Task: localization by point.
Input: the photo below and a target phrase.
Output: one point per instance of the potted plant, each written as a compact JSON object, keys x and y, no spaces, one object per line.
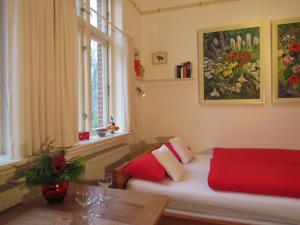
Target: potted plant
{"x":53,"y":172}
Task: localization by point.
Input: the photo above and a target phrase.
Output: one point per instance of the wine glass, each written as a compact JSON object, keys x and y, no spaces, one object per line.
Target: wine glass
{"x":105,"y":182}
{"x":96,"y":203}
{"x":84,"y":199}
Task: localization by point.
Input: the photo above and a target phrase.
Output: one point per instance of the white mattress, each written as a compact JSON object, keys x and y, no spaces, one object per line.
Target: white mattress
{"x":193,"y":196}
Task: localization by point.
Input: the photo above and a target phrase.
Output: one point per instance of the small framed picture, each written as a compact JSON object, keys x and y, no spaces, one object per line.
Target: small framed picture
{"x":159,"y":58}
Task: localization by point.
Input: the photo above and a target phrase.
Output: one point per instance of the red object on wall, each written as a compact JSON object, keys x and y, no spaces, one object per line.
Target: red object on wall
{"x":138,"y":67}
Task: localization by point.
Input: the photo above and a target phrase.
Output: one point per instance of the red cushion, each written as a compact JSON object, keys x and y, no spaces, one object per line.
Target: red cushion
{"x":170,"y":147}
{"x":258,"y":155}
{"x":146,"y":167}
{"x":258,"y":178}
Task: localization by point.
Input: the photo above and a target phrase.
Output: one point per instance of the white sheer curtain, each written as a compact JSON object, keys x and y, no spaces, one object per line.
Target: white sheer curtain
{"x":128,"y":84}
{"x":123,"y":106}
{"x":66,"y":99}
{"x":39,"y":76}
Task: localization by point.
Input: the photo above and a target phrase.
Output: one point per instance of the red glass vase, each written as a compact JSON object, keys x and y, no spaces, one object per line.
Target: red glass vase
{"x":55,"y":193}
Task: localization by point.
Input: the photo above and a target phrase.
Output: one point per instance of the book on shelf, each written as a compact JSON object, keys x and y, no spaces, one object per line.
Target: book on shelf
{"x":184,"y":70}
{"x":178,"y":71}
{"x":189,"y":69}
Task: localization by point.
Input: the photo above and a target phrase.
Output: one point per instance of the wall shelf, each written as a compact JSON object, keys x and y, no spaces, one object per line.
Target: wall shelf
{"x":164,"y":80}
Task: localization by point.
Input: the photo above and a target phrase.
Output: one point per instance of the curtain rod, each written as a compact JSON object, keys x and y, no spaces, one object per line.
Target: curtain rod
{"x":136,"y":6}
{"x":172,"y":8}
{"x":106,"y":20}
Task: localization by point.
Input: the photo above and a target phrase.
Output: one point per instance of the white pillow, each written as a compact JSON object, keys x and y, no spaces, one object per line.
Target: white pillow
{"x":173,"y":167}
{"x":182,"y":150}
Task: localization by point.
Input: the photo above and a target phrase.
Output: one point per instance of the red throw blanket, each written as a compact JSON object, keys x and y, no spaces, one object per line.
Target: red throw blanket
{"x":258,"y":171}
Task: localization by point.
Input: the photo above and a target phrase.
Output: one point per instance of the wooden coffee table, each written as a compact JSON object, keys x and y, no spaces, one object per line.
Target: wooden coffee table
{"x":127,"y":207}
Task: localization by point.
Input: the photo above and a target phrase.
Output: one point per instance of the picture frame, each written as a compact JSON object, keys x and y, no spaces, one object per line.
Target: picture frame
{"x":159,"y":58}
{"x":231,"y":64}
{"x":286,"y":60}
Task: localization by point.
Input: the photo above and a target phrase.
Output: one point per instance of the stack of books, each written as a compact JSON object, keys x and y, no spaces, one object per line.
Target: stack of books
{"x":184,"y":70}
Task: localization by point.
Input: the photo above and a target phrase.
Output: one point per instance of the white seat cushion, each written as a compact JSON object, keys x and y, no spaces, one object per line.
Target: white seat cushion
{"x":193,"y":194}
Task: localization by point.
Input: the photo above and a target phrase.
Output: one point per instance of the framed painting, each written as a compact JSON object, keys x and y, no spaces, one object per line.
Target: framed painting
{"x":231,"y":64}
{"x":159,"y":58}
{"x":286,"y":60}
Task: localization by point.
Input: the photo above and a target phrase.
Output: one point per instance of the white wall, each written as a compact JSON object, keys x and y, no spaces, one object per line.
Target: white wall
{"x":171,"y":108}
{"x":132,"y":23}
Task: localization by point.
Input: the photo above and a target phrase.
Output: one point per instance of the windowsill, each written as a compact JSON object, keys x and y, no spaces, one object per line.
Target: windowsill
{"x":4,"y":159}
{"x":95,"y":141}
{"x":7,"y":164}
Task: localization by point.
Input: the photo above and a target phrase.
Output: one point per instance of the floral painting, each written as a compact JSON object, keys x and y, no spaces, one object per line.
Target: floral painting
{"x":287,"y":60}
{"x":230,"y":64}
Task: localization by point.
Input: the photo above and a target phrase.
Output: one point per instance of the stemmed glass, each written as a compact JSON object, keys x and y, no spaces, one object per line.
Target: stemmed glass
{"x":84,"y":199}
{"x":105,"y":182}
{"x":96,"y":201}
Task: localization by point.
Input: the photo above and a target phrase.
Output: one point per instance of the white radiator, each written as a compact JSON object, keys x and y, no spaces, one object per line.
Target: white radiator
{"x":10,"y":195}
{"x":97,"y":163}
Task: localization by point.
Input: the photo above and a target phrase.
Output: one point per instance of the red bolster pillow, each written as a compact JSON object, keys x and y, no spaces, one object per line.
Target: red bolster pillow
{"x":146,"y":167}
{"x":283,"y":156}
{"x":258,"y":178}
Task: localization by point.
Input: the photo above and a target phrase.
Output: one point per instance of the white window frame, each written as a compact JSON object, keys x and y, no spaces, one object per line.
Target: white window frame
{"x":87,"y":33}
{"x":1,"y":88}
{"x":1,"y":76}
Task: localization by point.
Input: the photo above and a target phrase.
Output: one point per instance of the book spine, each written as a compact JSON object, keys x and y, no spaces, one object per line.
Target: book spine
{"x":189,"y":69}
{"x":178,"y":71}
{"x":184,"y":70}
{"x":181,"y":71}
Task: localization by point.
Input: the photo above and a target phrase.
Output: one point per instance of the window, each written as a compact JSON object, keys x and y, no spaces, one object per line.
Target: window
{"x":98,"y":7}
{"x":93,"y":50}
{"x":98,"y":81}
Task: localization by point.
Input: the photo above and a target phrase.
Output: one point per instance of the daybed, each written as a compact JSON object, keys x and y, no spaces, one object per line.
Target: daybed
{"x":193,"y":199}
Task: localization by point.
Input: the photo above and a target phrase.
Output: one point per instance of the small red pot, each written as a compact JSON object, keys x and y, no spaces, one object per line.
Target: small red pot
{"x":55,"y":193}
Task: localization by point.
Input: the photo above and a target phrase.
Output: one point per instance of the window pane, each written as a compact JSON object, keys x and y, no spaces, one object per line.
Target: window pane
{"x":81,"y":105}
{"x":78,"y":7}
{"x":99,"y":6}
{"x":98,"y":84}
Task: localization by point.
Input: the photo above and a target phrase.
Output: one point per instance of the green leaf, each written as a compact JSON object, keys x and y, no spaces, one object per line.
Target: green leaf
{"x":287,"y":72}
{"x":43,"y":171}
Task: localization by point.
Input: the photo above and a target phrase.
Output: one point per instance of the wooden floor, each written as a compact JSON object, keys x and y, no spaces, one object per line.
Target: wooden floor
{"x":177,"y":220}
